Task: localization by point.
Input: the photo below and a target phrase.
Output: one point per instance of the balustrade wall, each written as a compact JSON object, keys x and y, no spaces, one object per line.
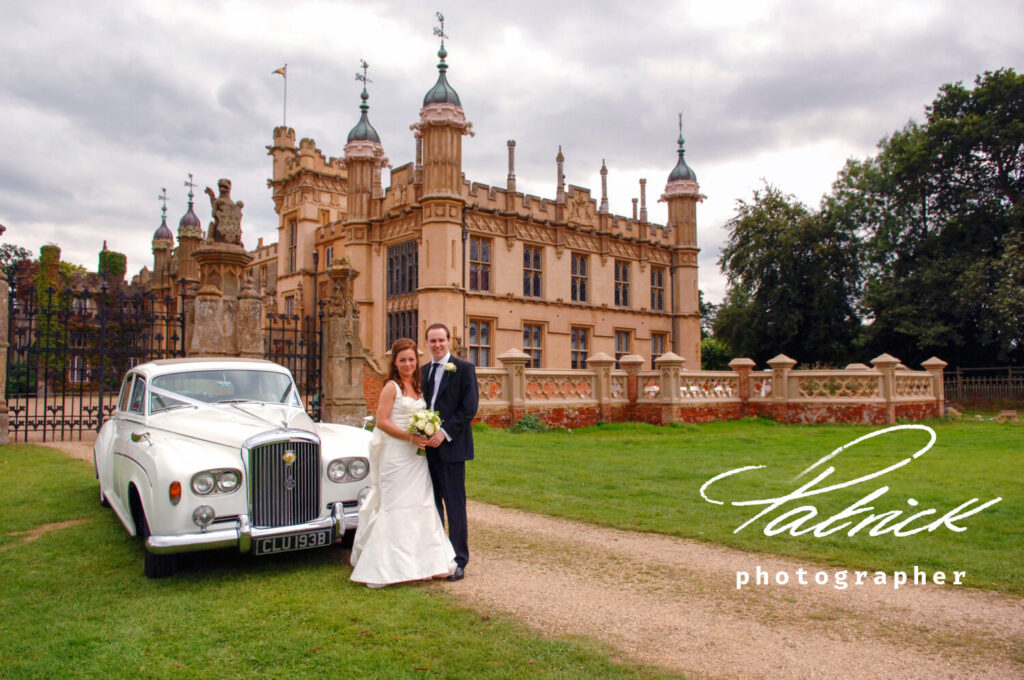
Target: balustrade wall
{"x":881,"y":393}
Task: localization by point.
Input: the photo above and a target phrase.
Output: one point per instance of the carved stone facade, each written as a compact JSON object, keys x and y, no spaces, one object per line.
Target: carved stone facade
{"x":501,"y":268}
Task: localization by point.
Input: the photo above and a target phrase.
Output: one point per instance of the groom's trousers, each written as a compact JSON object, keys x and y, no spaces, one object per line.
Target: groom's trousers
{"x":449,"y":480}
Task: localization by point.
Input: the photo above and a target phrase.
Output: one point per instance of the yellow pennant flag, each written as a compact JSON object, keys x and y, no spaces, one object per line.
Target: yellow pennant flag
{"x":283,"y":71}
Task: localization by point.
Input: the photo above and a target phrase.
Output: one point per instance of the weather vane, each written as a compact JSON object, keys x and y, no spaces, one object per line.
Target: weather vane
{"x":362,"y":76}
{"x":163,"y":197}
{"x":439,"y":31}
{"x":190,"y":184}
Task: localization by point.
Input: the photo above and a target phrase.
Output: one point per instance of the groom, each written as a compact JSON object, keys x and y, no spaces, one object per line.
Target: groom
{"x":449,"y":387}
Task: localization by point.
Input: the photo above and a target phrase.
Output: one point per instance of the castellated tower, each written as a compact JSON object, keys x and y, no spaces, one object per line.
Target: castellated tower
{"x":682,"y":193}
{"x":310,"y":192}
{"x":441,"y":126}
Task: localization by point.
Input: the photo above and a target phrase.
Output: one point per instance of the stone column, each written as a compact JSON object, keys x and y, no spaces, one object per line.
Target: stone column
{"x":671,"y":365}
{"x":250,"y":323}
{"x":631,"y":363}
{"x":781,"y":365}
{"x":5,"y":292}
{"x":344,"y":360}
{"x":886,"y":363}
{"x":514,"y":361}
{"x":215,"y":324}
{"x":743,"y":367}
{"x":934,"y":366}
{"x":602,"y":365}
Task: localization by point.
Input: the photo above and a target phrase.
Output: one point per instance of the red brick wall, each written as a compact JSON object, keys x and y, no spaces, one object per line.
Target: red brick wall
{"x":918,"y":411}
{"x":707,"y":413}
{"x":573,"y":417}
{"x":373,"y":383}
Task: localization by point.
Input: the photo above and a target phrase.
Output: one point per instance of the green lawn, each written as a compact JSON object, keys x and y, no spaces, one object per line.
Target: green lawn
{"x":75,"y":604}
{"x":648,"y":478}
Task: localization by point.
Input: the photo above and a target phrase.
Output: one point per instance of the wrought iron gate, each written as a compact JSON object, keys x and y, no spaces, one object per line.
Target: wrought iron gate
{"x":69,"y":350}
{"x":295,"y":342}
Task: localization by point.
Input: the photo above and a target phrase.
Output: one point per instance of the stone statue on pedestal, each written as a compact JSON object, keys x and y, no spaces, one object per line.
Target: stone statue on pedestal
{"x":226,"y":311}
{"x":227,"y":216}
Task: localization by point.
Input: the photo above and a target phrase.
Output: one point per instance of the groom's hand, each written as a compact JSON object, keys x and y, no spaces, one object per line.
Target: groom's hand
{"x":436,"y":439}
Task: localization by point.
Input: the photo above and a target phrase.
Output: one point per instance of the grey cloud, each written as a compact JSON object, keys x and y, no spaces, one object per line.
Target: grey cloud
{"x":143,"y":103}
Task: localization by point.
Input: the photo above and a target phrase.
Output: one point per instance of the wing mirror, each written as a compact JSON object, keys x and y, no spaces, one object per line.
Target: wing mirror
{"x":139,"y":436}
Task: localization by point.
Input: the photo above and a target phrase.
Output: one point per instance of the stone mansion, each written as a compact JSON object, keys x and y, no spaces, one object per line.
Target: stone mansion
{"x":562,"y":279}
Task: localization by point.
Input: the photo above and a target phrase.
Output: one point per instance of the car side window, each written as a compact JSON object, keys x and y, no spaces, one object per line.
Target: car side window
{"x":126,"y":390}
{"x":138,"y":395}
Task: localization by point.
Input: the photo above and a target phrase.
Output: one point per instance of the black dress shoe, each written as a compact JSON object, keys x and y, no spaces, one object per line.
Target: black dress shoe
{"x":458,"y":574}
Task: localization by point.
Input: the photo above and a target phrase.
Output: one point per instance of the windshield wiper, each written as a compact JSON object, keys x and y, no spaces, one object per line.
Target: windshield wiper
{"x":171,"y":407}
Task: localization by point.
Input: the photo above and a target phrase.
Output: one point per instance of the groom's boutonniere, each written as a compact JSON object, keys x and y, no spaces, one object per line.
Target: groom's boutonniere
{"x":449,"y":367}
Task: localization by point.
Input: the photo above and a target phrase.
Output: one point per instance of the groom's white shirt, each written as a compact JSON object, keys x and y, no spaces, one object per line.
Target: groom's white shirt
{"x":437,"y":384}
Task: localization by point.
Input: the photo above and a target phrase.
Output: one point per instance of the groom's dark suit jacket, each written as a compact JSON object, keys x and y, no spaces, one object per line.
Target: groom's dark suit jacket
{"x":456,"y":402}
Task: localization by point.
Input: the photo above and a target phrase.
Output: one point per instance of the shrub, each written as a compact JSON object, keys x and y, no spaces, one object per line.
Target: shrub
{"x":714,"y":355}
{"x":530,"y":422}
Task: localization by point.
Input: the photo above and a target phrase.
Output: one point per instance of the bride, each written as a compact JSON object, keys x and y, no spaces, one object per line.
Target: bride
{"x":399,"y":536}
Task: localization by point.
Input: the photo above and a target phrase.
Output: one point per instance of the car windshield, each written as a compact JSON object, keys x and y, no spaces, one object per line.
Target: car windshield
{"x":221,"y":385}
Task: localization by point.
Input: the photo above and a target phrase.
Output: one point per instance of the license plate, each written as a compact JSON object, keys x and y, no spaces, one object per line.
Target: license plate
{"x":307,"y":539}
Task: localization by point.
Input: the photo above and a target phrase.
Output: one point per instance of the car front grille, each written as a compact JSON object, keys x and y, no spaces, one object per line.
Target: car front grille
{"x":284,"y":493}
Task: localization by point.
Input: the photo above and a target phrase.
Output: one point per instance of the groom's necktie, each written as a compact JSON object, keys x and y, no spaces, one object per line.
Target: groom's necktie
{"x":430,"y":381}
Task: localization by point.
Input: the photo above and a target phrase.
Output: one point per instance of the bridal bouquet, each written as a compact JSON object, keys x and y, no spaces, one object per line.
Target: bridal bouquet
{"x":424,"y":423}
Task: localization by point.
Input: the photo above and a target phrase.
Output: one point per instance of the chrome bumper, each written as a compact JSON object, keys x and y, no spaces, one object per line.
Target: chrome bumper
{"x":242,"y":534}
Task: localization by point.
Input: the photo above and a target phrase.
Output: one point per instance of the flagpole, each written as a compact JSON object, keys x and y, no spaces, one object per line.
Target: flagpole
{"x":284,"y":73}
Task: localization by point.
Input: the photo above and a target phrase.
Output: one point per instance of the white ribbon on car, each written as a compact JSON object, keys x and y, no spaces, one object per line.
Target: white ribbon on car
{"x":159,"y":391}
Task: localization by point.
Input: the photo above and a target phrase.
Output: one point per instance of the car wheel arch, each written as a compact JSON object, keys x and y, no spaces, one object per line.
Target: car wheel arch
{"x":137,"y":509}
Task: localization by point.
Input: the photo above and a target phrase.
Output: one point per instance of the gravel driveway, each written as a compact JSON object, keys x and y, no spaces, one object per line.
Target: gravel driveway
{"x":674,"y":603}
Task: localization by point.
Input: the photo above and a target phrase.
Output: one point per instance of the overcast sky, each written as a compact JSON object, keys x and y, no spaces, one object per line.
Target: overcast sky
{"x":103,"y":103}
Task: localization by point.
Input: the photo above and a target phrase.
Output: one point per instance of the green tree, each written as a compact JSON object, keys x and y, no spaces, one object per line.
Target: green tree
{"x":708,"y":310}
{"x":794,"y":280}
{"x":940,"y":212}
{"x":714,"y":355}
{"x":10,"y":256}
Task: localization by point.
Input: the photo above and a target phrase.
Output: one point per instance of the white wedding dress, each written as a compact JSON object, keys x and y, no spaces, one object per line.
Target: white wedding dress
{"x":399,"y":537}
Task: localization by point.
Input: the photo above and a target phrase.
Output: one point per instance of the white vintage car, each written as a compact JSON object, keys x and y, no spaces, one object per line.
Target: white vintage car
{"x":214,"y":453}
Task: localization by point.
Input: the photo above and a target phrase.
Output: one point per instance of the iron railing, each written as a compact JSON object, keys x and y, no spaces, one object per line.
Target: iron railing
{"x":69,"y":350}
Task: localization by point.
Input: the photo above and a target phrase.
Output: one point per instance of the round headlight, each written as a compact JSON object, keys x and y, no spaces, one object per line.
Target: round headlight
{"x":336,"y":471}
{"x":227,"y":481}
{"x":358,"y":468}
{"x":203,"y":516}
{"x":202,"y":483}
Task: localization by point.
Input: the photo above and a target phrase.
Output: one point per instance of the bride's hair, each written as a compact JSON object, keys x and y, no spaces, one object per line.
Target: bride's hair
{"x":397,"y":347}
